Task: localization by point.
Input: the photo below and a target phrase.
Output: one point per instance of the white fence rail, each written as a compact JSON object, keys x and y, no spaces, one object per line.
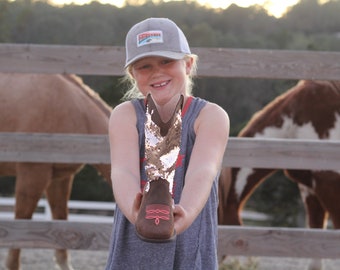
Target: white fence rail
{"x":101,"y":212}
{"x":79,"y":210}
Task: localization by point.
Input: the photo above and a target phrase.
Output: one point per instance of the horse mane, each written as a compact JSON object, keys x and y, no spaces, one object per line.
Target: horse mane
{"x":93,"y":95}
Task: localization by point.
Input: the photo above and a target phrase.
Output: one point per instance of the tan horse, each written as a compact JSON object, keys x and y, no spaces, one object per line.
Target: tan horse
{"x":48,"y":104}
{"x":309,"y":110}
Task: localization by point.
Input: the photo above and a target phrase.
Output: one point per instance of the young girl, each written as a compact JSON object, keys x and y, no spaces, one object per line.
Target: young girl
{"x":159,"y":63}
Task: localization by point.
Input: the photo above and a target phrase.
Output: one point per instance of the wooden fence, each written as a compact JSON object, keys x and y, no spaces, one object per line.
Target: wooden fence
{"x":214,"y":62}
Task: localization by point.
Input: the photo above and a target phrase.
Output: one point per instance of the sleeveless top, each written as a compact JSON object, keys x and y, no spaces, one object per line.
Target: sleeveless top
{"x":195,"y":248}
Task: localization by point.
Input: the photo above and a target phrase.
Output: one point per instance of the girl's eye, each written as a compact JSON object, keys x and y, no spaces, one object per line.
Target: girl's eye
{"x":141,"y":67}
{"x":167,"y":61}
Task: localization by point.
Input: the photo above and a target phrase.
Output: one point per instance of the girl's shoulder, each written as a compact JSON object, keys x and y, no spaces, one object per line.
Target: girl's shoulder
{"x":123,"y":107}
{"x":213,"y":109}
{"x":212,"y":113}
{"x":124,"y":110}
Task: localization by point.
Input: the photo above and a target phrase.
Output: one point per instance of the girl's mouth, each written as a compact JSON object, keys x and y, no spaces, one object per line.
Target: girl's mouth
{"x":159,"y":85}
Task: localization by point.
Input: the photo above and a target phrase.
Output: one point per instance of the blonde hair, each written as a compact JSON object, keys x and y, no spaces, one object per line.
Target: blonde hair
{"x":133,"y":91}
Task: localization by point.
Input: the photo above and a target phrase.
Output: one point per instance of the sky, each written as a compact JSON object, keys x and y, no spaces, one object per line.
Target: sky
{"x":274,"y":7}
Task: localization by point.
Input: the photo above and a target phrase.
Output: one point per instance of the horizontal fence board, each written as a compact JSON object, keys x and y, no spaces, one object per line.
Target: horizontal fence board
{"x":54,"y":235}
{"x":214,"y":62}
{"x":268,"y":64}
{"x":52,"y":147}
{"x":82,"y":60}
{"x":278,"y":242}
{"x":283,"y":153}
{"x":233,"y":240}
{"x":241,"y":152}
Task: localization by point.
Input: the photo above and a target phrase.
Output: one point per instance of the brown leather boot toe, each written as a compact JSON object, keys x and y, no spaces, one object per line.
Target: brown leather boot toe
{"x":155,"y":221}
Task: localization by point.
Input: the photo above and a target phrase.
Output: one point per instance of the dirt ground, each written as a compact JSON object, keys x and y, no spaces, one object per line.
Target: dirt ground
{"x":37,"y":259}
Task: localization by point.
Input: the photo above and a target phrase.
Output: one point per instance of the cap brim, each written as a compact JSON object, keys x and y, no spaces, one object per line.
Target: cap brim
{"x":167,"y":54}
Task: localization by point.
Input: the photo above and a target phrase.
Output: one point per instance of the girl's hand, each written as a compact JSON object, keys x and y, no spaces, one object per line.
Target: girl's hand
{"x":181,"y":219}
{"x":136,"y":206}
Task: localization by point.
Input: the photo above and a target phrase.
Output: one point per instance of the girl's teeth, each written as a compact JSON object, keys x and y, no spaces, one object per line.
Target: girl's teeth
{"x":161,"y":84}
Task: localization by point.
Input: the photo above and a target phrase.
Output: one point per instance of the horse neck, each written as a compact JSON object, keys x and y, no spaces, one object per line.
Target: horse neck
{"x":91,"y":94}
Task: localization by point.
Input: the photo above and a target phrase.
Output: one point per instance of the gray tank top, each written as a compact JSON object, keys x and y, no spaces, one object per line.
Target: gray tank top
{"x":194,"y":249}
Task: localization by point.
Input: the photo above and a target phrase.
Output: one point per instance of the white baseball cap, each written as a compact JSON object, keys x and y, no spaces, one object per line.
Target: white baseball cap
{"x":155,"y":37}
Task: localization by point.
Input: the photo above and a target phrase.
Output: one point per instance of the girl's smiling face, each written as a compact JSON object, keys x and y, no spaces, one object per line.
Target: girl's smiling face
{"x":162,"y":77}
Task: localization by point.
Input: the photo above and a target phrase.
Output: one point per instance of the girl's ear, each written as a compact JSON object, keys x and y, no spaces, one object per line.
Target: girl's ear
{"x":130,"y":71}
{"x":188,"y":64}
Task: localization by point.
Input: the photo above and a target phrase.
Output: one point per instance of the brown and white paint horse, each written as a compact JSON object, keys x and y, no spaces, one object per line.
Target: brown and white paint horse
{"x":48,"y":104}
{"x":309,"y":110}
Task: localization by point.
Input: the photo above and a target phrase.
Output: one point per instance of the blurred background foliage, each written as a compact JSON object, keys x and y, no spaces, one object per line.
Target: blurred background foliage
{"x":309,"y":25}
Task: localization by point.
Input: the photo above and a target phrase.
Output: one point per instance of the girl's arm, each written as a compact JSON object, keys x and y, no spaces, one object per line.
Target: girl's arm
{"x":124,"y":152}
{"x":212,"y":132}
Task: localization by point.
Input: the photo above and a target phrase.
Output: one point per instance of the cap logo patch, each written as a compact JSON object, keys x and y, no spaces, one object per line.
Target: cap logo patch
{"x":149,"y":37}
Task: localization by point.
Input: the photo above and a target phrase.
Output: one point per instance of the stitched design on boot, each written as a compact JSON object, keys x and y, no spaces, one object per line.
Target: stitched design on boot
{"x":157,"y":212}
